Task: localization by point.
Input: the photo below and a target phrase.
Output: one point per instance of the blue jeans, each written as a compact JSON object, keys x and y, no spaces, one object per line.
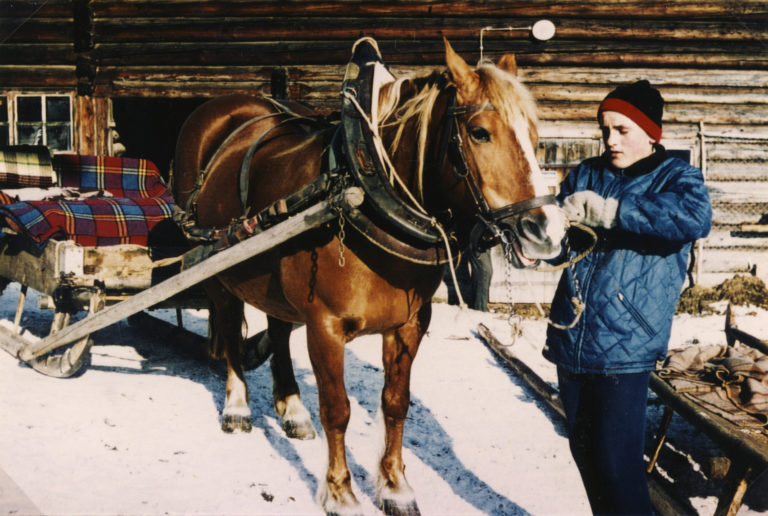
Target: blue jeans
{"x":606,"y":431}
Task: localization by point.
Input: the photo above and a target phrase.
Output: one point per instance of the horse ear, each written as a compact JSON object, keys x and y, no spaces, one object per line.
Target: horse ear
{"x":508,"y":63}
{"x":465,"y":79}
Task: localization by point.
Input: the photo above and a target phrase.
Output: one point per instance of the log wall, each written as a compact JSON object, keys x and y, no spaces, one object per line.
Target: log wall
{"x":708,"y":58}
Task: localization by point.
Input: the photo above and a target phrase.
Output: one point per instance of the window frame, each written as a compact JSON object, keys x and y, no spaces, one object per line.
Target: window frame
{"x":13,"y":122}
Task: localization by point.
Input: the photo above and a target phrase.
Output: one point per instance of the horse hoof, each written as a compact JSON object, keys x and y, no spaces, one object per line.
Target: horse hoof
{"x":231,"y":424}
{"x":299,"y":429}
{"x":394,"y":508}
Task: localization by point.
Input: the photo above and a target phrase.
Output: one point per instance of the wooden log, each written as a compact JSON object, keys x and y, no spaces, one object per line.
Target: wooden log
{"x":672,"y":76}
{"x":755,"y":9}
{"x":754,"y":228}
{"x":38,"y":76}
{"x":425,"y":52}
{"x":85,"y":125}
{"x":321,"y":28}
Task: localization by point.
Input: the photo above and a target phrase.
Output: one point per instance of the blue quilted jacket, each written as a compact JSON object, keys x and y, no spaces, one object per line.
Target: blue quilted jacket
{"x":632,"y":280}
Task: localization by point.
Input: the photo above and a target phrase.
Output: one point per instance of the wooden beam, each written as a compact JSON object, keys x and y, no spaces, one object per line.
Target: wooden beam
{"x":323,"y":28}
{"x":85,"y":125}
{"x":531,"y":8}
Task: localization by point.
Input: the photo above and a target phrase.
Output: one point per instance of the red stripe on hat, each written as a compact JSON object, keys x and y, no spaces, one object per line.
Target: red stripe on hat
{"x":637,"y":116}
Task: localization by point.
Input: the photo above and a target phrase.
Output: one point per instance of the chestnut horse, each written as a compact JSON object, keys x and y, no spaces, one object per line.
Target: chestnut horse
{"x":303,"y":281}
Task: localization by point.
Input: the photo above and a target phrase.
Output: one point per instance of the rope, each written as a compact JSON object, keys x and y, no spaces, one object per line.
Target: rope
{"x":589,"y":231}
{"x":381,"y":152}
{"x":462,"y":304}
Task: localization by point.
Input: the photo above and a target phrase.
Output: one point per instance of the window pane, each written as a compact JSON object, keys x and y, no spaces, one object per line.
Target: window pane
{"x":3,"y":109}
{"x":57,"y":109}
{"x":29,"y":109}
{"x":4,"y":135}
{"x":30,"y":134}
{"x":58,"y":137}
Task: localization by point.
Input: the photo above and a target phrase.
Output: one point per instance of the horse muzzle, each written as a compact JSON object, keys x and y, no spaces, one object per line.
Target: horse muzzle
{"x":527,"y":235}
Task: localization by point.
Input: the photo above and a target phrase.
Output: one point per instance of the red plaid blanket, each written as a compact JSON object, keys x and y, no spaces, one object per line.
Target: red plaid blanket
{"x":139,"y":201}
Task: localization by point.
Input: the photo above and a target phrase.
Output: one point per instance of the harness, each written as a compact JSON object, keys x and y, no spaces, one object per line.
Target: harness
{"x":400,"y":227}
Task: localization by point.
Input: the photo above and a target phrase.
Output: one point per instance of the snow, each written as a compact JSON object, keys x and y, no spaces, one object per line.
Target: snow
{"x":138,"y":433}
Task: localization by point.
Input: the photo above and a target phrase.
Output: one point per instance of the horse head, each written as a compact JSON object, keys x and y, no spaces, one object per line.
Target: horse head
{"x":476,"y":160}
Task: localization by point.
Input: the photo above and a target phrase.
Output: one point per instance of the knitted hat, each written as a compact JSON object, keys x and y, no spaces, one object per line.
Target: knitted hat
{"x":639,"y":101}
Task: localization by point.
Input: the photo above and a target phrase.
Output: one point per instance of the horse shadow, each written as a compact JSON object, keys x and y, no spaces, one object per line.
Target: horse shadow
{"x":423,"y":433}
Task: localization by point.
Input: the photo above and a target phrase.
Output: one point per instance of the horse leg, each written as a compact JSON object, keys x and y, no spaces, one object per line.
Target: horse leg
{"x":394,"y":495}
{"x":285,"y":391}
{"x":326,"y":351}
{"x":226,"y":321}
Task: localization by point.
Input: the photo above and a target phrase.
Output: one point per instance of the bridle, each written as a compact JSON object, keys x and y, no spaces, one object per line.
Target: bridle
{"x":489,"y":228}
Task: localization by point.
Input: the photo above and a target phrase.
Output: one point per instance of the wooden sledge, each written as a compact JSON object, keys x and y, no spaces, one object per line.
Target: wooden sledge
{"x":113,"y":283}
{"x":746,"y":451}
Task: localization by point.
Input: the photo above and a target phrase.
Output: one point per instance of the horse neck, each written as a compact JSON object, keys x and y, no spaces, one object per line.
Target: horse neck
{"x":420,"y":181}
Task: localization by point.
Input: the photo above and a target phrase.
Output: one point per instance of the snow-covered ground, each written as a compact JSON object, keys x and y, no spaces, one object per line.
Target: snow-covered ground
{"x":138,"y":433}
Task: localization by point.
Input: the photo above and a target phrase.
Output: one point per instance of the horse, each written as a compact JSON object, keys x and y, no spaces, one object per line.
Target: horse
{"x":334,"y":279}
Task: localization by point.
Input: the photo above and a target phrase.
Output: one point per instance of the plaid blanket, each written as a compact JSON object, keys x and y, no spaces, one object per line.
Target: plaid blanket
{"x":140,"y":200}
{"x":24,"y":166}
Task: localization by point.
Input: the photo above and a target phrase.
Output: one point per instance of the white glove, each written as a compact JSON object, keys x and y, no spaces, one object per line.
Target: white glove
{"x":591,"y":208}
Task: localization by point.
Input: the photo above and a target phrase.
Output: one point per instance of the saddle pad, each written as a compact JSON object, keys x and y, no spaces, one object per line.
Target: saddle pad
{"x":140,"y":201}
{"x":25,"y":166}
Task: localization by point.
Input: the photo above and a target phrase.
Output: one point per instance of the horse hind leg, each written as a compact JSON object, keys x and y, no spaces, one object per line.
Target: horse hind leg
{"x":296,"y":419}
{"x":226,"y":323}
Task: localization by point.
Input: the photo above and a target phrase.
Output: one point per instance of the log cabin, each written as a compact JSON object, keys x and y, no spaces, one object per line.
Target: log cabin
{"x":116,"y":76}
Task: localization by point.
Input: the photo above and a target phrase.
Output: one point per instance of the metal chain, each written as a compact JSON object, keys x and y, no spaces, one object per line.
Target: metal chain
{"x":515,"y":321}
{"x":342,"y":236}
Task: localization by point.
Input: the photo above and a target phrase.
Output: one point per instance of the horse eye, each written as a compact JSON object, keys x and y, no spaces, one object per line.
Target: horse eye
{"x":479,"y":134}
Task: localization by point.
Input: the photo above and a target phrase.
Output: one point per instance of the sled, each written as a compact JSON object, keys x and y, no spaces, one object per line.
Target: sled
{"x":746,"y":450}
{"x":114,"y":282}
{"x":664,"y":500}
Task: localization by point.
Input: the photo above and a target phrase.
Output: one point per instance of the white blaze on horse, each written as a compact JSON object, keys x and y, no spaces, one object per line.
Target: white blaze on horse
{"x":457,"y":149}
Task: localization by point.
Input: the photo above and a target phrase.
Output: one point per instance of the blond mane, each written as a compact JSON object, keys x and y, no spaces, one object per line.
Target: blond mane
{"x":500,"y":89}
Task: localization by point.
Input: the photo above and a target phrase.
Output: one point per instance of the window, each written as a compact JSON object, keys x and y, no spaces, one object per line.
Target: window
{"x":43,"y":119}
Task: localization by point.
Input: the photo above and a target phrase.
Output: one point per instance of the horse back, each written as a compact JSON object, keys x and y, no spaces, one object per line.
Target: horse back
{"x":207,"y":129}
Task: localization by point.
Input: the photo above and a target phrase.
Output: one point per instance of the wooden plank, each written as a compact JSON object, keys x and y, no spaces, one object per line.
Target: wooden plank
{"x":751,"y":447}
